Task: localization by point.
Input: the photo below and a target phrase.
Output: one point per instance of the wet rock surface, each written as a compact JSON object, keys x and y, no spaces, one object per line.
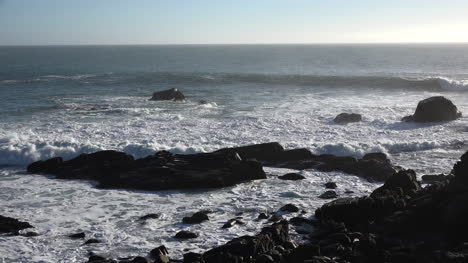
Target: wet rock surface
{"x":160,"y":171}
{"x":343,"y":118}
{"x":170,"y":94}
{"x":434,"y":109}
{"x":12,"y":226}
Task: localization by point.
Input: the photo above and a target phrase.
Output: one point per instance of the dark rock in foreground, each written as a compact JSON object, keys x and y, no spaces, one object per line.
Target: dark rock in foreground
{"x":12,"y":226}
{"x":434,"y":109}
{"x":347,"y":118}
{"x":373,"y":166}
{"x":157,"y":172}
{"x":170,"y":94}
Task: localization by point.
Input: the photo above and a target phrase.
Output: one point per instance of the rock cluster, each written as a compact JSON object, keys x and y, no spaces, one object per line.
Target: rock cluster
{"x":162,"y":170}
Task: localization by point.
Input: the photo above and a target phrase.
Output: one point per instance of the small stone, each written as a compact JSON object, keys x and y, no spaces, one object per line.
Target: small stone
{"x":290,"y":208}
{"x":77,"y":235}
{"x":328,"y":195}
{"x":331,"y":185}
{"x":185,"y":235}
{"x":291,"y":177}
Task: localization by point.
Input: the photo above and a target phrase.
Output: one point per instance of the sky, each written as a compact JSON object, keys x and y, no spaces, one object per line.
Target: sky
{"x":89,"y":22}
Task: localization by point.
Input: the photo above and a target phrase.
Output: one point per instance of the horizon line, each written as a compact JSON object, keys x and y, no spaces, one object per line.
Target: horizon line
{"x":240,"y":44}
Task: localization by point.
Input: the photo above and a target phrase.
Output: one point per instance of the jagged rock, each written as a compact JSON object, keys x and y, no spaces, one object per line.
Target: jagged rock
{"x":328,"y":195}
{"x":185,"y":235}
{"x":289,"y":208}
{"x":161,"y":171}
{"x":12,"y":226}
{"x":196,"y":218}
{"x":347,"y":118}
{"x":435,"y":109}
{"x":160,"y":255}
{"x":292,"y":177}
{"x":406,"y":180}
{"x":330,"y":185}
{"x":250,"y":246}
{"x":170,"y":94}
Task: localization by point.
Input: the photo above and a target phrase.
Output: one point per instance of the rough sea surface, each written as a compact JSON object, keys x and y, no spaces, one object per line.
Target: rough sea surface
{"x":63,"y":101}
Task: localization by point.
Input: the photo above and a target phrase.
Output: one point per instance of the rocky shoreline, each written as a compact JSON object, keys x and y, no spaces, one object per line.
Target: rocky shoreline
{"x":398,"y":222}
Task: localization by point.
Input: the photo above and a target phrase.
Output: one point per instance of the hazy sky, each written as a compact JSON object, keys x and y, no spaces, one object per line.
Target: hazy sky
{"x":39,"y":22}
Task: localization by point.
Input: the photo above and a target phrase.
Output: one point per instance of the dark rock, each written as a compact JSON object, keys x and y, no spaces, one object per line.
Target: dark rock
{"x":160,"y":255}
{"x":262,"y":216}
{"x":77,"y":235}
{"x":170,"y":94}
{"x":30,"y":234}
{"x":250,"y":246}
{"x":435,"y":109}
{"x":157,"y":172}
{"x":92,"y":241}
{"x":192,"y":257}
{"x":406,"y":180}
{"x":328,"y":195}
{"x":409,"y":118}
{"x":231,"y":222}
{"x":347,"y":117}
{"x":202,"y":102}
{"x":12,"y":226}
{"x":185,"y":235}
{"x":196,"y":218}
{"x":140,"y":260}
{"x":263,"y":258}
{"x":291,"y":176}
{"x":434,"y":178}
{"x":275,"y":218}
{"x":289,"y":208}
{"x":330,"y":185}
{"x":100,"y":259}
{"x":149,"y":216}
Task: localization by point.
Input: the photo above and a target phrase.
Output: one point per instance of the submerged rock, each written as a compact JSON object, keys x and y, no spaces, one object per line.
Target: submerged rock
{"x":161,"y":171}
{"x":79,"y":235}
{"x":289,"y":208}
{"x":12,"y":226}
{"x":330,"y":185}
{"x":170,"y":94}
{"x":149,"y":216}
{"x":328,"y":195}
{"x":292,"y":177}
{"x":434,"y":109}
{"x":347,"y":118}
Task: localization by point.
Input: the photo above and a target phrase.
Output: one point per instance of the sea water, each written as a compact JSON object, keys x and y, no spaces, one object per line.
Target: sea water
{"x":67,"y":100}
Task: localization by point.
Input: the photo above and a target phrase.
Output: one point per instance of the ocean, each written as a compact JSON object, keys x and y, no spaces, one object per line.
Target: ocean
{"x":67,"y":100}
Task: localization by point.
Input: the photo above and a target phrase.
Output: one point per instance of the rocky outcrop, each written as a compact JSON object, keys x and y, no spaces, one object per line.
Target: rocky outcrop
{"x":270,"y":243}
{"x":347,"y":118}
{"x":170,"y":94}
{"x":12,"y":226}
{"x":398,"y":222}
{"x":373,"y":166}
{"x":162,"y":170}
{"x":434,"y":109}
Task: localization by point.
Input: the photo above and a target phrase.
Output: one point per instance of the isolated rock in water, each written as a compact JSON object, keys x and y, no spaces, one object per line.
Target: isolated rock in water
{"x":231,"y":222}
{"x":92,"y":241}
{"x":160,"y":171}
{"x":330,"y":185}
{"x":328,"y":195}
{"x":77,"y":235}
{"x":347,"y":117}
{"x":292,"y":177}
{"x":149,"y":216}
{"x":435,"y":109}
{"x":289,"y":208}
{"x":185,"y":235}
{"x":12,"y":226}
{"x":196,"y":218}
{"x":170,"y":94}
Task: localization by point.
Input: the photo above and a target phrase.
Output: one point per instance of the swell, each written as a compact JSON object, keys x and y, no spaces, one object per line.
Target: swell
{"x":197,"y":78}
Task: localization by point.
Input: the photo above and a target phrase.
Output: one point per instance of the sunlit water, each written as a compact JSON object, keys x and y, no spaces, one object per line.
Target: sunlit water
{"x":62,"y":101}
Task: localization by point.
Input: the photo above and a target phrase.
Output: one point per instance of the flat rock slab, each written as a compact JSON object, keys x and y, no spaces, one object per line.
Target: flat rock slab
{"x":161,"y":171}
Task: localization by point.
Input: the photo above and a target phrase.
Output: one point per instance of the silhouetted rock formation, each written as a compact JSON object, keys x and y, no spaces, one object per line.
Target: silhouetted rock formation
{"x":170,"y":94}
{"x":12,"y":226}
{"x":347,"y":118}
{"x":160,"y":171}
{"x":434,"y":109}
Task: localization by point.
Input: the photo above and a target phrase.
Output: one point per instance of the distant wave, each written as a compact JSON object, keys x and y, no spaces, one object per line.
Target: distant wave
{"x":181,"y":78}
